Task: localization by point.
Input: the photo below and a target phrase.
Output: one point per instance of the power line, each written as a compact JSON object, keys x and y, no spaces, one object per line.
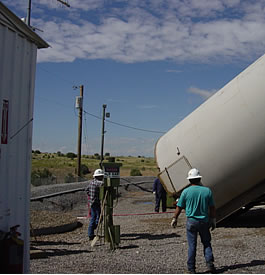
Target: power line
{"x":134,"y":128}
{"x":110,"y":121}
{"x":54,"y":75}
{"x":126,"y":126}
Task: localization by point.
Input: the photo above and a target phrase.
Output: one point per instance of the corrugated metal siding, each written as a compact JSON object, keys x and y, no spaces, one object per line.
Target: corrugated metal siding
{"x":17,"y":78}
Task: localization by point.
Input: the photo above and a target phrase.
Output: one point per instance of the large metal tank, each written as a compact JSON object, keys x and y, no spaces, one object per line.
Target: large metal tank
{"x":225,"y":139}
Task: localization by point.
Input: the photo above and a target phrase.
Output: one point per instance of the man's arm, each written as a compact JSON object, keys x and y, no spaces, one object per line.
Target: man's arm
{"x":154,"y":185}
{"x":212,"y":217}
{"x":212,"y":212}
{"x":177,"y":212}
{"x":175,"y":217}
{"x":87,"y":190}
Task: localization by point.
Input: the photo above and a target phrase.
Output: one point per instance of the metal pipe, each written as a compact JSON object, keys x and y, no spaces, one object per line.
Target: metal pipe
{"x":28,"y":13}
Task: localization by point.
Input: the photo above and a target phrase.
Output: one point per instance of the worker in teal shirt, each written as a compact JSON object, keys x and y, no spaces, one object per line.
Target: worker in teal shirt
{"x":197,"y":200}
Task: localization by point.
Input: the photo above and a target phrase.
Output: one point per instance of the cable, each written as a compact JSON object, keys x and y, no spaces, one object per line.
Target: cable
{"x":134,"y":128}
{"x":127,"y":126}
{"x":54,"y":74}
{"x":18,"y":131}
{"x":107,"y":120}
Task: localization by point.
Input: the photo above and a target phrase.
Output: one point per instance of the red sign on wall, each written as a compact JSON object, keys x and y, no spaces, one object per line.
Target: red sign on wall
{"x":4,"y":131}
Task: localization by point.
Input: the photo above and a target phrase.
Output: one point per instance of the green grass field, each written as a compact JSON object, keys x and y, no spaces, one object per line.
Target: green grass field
{"x":60,"y":167}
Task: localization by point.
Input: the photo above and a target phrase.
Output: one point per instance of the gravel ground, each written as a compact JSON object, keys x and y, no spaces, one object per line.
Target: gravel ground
{"x":148,"y":243}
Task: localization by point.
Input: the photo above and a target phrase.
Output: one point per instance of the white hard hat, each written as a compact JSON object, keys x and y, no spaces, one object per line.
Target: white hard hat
{"x":194,"y":174}
{"x":98,"y":173}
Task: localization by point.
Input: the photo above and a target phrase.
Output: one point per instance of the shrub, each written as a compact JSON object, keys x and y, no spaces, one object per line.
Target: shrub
{"x":111,"y":159}
{"x":40,"y":177}
{"x":69,"y":178}
{"x":135,"y":172}
{"x":84,"y":169}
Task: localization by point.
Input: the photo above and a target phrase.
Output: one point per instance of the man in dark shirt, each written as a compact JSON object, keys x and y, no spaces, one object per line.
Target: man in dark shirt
{"x":161,"y":195}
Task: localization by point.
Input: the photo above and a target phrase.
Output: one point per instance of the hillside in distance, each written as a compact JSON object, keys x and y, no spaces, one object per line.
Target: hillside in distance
{"x":51,"y":168}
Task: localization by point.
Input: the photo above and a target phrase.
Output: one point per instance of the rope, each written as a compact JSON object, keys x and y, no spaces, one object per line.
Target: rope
{"x":135,"y":214}
{"x":139,"y":214}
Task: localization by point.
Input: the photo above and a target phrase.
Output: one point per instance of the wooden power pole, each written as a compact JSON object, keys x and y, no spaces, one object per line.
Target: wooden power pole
{"x":104,"y":106}
{"x":104,"y":115}
{"x":79,"y":105}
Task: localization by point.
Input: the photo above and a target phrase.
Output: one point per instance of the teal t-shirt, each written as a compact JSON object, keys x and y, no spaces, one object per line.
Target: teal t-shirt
{"x":196,"y":200}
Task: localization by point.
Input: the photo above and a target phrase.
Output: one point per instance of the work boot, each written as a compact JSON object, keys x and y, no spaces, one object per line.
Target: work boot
{"x":91,"y":237}
{"x":191,"y":271}
{"x":210,"y":268}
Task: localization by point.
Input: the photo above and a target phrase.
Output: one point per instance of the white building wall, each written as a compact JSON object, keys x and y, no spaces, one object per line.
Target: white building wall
{"x":17,"y":78}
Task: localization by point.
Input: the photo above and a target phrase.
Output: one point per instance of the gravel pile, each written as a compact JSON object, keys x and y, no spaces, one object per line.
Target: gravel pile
{"x":148,"y":243}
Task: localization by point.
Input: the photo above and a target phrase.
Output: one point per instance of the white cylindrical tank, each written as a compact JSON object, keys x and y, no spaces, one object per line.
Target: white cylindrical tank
{"x":224,"y":138}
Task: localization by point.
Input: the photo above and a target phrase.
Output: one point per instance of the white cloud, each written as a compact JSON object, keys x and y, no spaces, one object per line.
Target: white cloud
{"x":202,"y":93}
{"x":139,"y":31}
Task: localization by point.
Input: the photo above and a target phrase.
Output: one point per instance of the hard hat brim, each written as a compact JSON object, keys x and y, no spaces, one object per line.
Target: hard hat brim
{"x":98,"y":175}
{"x":195,"y":177}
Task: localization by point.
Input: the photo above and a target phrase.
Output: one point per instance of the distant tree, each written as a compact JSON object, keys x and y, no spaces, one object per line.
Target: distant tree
{"x":59,"y":154}
{"x":96,"y":156}
{"x":37,"y":152}
{"x":71,"y":155}
{"x":107,"y":154}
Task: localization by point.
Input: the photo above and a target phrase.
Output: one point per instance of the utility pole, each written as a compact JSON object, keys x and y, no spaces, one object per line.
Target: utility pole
{"x":29,"y":9}
{"x":79,"y":105}
{"x":104,"y":114}
{"x":28,"y":13}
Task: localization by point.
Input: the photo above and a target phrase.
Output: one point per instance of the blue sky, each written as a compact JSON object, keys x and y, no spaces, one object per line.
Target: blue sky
{"x":152,"y":62}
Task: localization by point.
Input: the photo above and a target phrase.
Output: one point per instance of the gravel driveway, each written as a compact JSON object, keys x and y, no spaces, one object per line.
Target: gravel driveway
{"x":148,"y":243}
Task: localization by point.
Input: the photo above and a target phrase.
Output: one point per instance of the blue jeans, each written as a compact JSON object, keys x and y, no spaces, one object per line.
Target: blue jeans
{"x":194,"y":227}
{"x":161,"y":197}
{"x":93,"y":223}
